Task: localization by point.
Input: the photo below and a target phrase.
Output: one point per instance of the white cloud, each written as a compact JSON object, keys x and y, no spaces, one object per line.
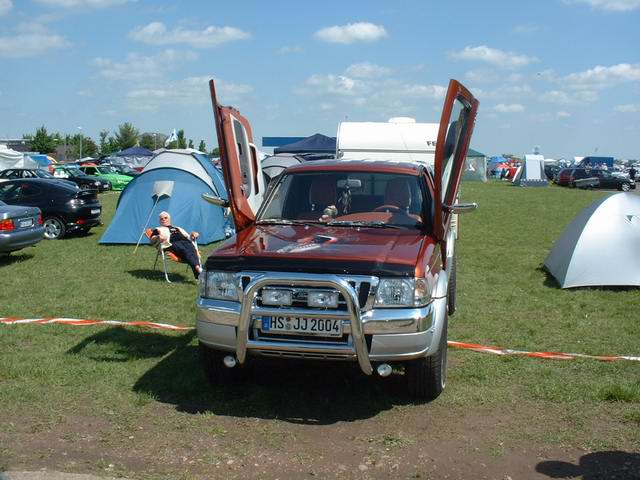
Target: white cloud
{"x":628,"y":108}
{"x":30,"y":40}
{"x":82,"y":3}
{"x":353,"y":32}
{"x":493,"y":56}
{"x":563,"y":114}
{"x":339,"y":85}
{"x":422,"y":91}
{"x":560,"y":97}
{"x":611,"y":5}
{"x":156,"y":33}
{"x":366,"y":70}
{"x":603,"y":77}
{"x":509,"y":108}
{"x":140,"y":67}
{"x":5,"y":6}
{"x":502,"y":92}
{"x":188,"y":91}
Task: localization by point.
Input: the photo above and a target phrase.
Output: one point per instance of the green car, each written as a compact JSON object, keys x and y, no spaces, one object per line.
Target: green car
{"x":118,"y":181}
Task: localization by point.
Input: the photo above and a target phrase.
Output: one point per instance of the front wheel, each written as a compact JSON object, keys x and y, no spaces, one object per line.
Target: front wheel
{"x":53,"y":228}
{"x":625,"y":187}
{"x":427,"y":376}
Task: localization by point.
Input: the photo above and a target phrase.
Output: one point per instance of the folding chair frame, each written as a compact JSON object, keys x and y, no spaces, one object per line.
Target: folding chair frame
{"x":160,"y":252}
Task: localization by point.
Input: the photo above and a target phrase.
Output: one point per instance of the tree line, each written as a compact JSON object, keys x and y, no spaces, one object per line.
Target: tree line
{"x":126,"y":136}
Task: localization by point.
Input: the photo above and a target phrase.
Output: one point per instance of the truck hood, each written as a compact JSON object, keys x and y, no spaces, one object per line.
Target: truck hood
{"x":318,"y":249}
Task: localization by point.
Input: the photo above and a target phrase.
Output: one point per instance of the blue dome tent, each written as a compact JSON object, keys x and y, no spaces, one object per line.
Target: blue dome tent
{"x":173,"y":181}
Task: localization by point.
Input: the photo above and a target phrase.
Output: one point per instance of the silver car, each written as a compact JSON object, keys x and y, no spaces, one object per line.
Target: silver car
{"x":20,"y":227}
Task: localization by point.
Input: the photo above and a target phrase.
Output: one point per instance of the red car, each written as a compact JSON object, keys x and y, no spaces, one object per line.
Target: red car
{"x":349,"y":260}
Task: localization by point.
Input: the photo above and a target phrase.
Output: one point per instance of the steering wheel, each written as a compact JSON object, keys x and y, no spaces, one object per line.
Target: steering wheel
{"x":388,"y":209}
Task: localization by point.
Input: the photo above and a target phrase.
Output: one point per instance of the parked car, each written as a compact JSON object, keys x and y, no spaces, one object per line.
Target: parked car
{"x":84,"y":181}
{"x":551,"y":171}
{"x":564,"y":176}
{"x":64,"y":208}
{"x":15,"y":173}
{"x":20,"y":227}
{"x":343,"y":260}
{"x":607,"y":180}
{"x":118,"y":181}
{"x":124,"y":170}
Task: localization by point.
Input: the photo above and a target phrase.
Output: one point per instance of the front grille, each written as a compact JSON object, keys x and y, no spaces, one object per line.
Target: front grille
{"x":300,"y":295}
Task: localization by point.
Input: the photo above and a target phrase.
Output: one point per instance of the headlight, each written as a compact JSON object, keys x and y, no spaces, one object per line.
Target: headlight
{"x":220,"y":286}
{"x":96,"y":183}
{"x":402,"y":292}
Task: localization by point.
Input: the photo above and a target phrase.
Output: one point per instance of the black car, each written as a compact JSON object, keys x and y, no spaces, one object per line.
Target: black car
{"x":608,"y":181}
{"x":84,"y":181}
{"x":15,"y":173}
{"x":64,"y":208}
{"x":551,"y":171}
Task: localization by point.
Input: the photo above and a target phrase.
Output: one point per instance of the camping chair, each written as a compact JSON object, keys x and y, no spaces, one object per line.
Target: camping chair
{"x":161,"y":251}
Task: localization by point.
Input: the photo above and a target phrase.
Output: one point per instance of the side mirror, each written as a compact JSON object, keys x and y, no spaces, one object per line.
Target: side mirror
{"x":215,"y":200}
{"x":460,"y":207}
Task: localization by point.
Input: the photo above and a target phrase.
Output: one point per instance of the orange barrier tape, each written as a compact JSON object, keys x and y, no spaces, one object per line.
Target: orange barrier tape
{"x":75,"y":321}
{"x":547,"y":355}
{"x":467,"y":346}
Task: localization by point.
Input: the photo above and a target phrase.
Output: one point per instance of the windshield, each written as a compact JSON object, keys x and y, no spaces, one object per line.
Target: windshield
{"x":346,"y":199}
{"x":43,"y":174}
{"x":105,"y":170}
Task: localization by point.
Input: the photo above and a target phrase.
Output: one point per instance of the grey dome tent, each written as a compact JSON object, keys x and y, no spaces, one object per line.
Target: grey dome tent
{"x":601,"y":246}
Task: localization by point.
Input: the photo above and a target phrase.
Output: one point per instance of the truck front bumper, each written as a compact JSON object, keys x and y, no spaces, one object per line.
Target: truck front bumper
{"x":372,"y":335}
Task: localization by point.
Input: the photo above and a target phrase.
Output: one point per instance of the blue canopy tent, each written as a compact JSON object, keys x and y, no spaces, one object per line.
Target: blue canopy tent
{"x":173,"y":181}
{"x":317,"y":143}
{"x":42,"y":160}
{"x":135,"y":157}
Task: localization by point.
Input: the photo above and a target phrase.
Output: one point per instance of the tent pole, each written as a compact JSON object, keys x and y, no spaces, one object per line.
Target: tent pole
{"x":146,"y":223}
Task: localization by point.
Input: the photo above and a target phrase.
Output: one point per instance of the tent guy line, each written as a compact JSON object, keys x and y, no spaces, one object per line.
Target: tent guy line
{"x":451,"y":343}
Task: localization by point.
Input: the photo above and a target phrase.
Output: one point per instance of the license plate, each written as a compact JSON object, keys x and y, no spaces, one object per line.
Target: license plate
{"x":325,"y":327}
{"x":94,"y":211}
{"x":26,"y":223}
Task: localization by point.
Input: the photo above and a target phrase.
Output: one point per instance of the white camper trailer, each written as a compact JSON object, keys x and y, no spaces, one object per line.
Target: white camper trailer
{"x":399,"y":139}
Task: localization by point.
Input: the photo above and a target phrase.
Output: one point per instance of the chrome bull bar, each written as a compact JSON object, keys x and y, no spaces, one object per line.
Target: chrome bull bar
{"x":248,"y":310}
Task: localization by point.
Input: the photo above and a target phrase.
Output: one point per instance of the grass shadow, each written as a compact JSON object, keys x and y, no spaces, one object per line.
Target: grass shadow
{"x":598,"y":465}
{"x":294,"y":391}
{"x":549,"y":280}
{"x":158,"y":276}
{"x":121,"y":344}
{"x":8,"y":259}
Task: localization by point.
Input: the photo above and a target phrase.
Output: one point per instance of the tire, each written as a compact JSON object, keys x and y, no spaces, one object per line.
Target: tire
{"x":625,"y":187}
{"x":427,"y":376}
{"x":452,"y":295}
{"x":54,"y":228}
{"x":214,"y":368}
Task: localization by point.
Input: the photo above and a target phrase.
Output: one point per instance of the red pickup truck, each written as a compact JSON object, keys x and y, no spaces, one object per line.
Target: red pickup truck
{"x":340,"y":260}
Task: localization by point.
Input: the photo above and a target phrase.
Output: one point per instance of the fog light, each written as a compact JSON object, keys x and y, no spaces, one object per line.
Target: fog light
{"x":276,"y":297}
{"x":384,"y":369}
{"x":229,"y":361}
{"x":323,"y":299}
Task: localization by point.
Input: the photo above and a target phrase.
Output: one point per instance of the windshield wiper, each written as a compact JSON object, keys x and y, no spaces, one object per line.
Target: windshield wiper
{"x":348,"y":223}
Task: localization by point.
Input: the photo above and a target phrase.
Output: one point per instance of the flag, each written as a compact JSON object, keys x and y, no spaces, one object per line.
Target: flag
{"x":171,"y":138}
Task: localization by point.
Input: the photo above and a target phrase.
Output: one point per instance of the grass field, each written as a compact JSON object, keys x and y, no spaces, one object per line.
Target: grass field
{"x":127,"y":380}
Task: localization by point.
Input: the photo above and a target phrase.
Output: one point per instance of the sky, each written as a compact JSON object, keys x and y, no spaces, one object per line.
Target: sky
{"x":563,"y":75}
